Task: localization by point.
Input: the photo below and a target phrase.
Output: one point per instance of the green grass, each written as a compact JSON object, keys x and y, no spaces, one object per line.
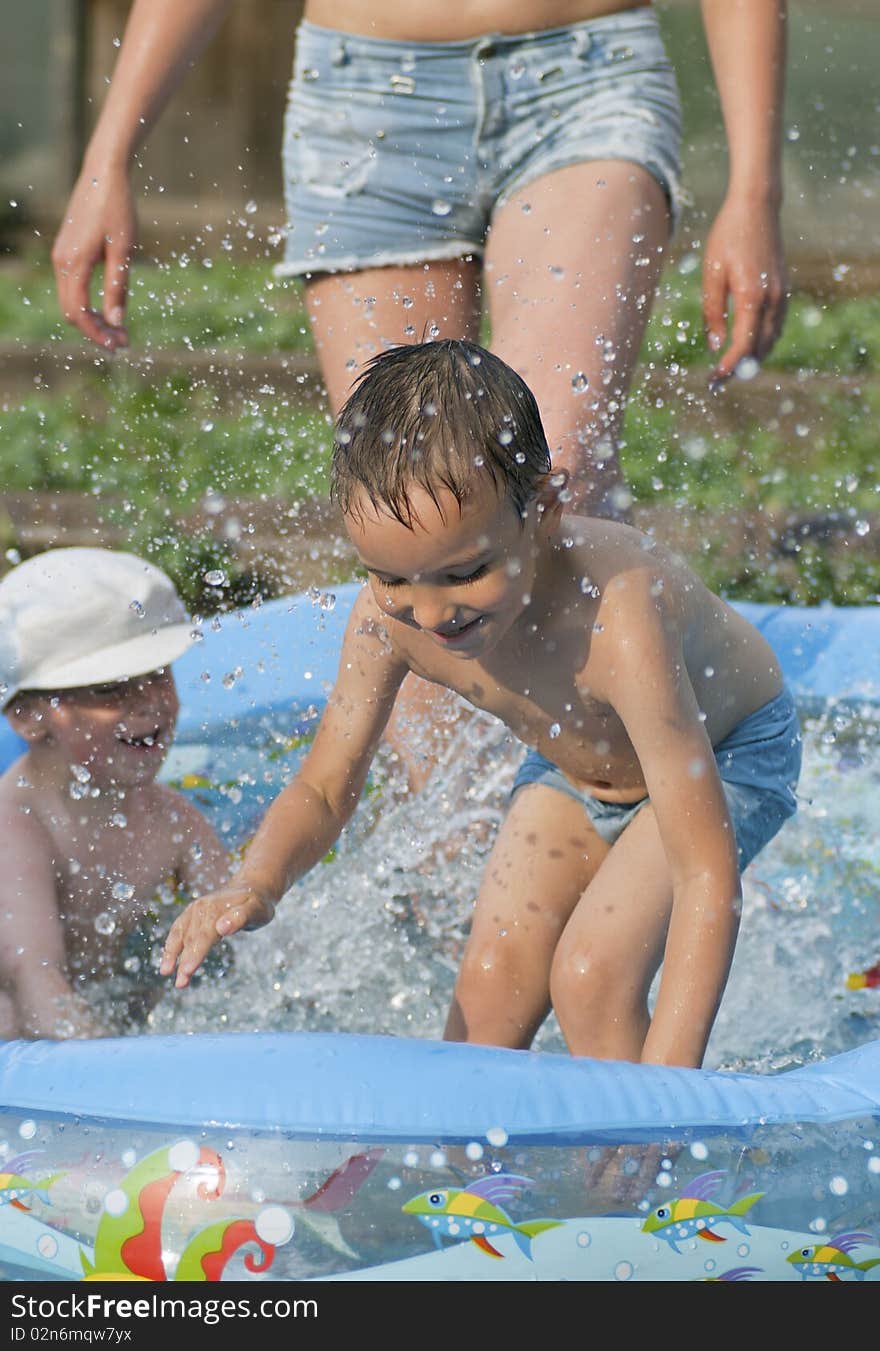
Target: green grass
{"x":241,"y":307}
{"x":151,"y":452}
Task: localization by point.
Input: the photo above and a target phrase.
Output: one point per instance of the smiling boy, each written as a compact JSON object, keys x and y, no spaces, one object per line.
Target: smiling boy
{"x":88,"y":838}
{"x":664,"y":746}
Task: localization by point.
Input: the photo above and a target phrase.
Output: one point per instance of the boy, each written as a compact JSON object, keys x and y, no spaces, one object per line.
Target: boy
{"x":88,"y":839}
{"x":665,"y":746}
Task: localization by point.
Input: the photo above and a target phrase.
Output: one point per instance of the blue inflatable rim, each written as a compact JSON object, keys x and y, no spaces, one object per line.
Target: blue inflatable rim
{"x":342,"y":1086}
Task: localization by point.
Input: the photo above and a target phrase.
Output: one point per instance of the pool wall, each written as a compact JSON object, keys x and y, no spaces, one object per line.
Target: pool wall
{"x":290,"y":1156}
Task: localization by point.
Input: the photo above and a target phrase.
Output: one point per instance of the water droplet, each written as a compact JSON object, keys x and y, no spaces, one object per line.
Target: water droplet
{"x":250,"y":207}
{"x":216,"y":577}
{"x":122,"y":891}
{"x":555,"y":730}
{"x":441,"y":208}
{"x":105,"y":923}
{"x":80,"y":773}
{"x":138,"y":608}
{"x":580,"y":383}
{"x":747,"y":368}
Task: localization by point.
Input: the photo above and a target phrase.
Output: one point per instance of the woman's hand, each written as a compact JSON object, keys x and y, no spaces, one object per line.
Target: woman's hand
{"x":205,"y":921}
{"x":99,"y":228}
{"x":743,"y":284}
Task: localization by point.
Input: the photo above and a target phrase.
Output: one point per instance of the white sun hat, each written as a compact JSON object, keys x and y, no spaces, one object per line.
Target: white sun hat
{"x":74,"y":617}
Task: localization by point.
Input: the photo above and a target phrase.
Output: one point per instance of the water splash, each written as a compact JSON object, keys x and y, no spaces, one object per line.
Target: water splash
{"x":370,"y":941}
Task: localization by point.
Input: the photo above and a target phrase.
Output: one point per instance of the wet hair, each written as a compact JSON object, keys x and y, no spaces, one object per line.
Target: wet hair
{"x":438,"y":415}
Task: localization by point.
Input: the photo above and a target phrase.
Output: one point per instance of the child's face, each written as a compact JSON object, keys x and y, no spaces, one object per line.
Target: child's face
{"x":121,"y":733}
{"x":462,"y":576}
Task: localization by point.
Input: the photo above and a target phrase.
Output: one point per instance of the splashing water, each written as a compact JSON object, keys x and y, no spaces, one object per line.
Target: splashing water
{"x":370,"y":940}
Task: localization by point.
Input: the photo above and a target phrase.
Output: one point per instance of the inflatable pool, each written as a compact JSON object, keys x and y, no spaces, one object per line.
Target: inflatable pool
{"x":324,"y":1155}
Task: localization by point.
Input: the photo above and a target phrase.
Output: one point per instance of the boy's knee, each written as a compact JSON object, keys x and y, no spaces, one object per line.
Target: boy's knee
{"x":583,"y":978}
{"x":493,"y":969}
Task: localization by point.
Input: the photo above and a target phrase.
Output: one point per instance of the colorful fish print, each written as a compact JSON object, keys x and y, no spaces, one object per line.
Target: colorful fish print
{"x":693,"y":1214}
{"x":129,"y":1243}
{"x":16,"y":1186}
{"x":474,"y":1212}
{"x":735,"y":1274}
{"x":832,"y":1260}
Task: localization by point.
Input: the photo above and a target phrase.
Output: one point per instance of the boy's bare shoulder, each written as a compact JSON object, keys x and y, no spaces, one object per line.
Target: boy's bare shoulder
{"x":625,"y":569}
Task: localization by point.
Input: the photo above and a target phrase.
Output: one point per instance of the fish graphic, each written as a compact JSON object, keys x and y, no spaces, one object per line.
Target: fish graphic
{"x":474,"y":1212}
{"x":694,"y":1214}
{"x":832,"y":1259}
{"x":15,"y":1185}
{"x":735,"y":1274}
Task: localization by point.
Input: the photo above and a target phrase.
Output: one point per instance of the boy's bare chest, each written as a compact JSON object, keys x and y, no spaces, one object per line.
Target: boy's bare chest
{"x":106,"y":890}
{"x":555,"y":714}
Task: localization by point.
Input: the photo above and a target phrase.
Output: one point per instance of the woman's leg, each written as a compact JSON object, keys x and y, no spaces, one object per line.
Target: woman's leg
{"x":356,"y":315}
{"x":353,"y":317}
{"x":572,"y":265}
{"x":545,"y":855}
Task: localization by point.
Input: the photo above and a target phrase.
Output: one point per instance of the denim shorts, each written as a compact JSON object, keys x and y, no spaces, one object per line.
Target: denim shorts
{"x":759,"y":763}
{"x":397,"y":152}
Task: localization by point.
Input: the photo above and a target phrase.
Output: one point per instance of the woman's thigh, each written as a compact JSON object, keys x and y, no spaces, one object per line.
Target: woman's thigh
{"x":356,"y":315}
{"x":571,"y":268}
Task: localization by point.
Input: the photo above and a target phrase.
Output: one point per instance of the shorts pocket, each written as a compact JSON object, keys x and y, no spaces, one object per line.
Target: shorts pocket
{"x":323,"y":149}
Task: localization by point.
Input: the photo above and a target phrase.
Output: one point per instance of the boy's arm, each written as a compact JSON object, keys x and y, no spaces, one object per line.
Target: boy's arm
{"x":32,"y":955}
{"x":309,"y":814}
{"x":649,"y":687}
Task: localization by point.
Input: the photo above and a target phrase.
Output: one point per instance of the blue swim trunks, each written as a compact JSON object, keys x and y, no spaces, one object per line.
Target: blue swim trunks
{"x":759,"y":763}
{"x":399,"y":152}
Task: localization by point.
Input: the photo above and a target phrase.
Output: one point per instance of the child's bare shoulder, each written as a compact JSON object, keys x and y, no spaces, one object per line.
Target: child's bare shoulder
{"x":23,"y":827}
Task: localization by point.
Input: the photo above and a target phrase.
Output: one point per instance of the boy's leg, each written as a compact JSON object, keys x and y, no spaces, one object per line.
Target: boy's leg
{"x":612,"y":947}
{"x":602,"y":971}
{"x":10,"y":1027}
{"x":545,"y":855}
{"x":572,"y":264}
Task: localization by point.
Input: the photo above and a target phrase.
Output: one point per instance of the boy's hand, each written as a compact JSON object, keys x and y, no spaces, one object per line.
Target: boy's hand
{"x":205,"y":921}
